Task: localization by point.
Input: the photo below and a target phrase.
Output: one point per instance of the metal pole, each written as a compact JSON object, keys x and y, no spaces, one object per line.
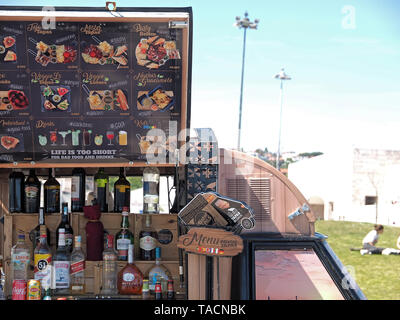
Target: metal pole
{"x":241,"y":90}
{"x":280,"y":129}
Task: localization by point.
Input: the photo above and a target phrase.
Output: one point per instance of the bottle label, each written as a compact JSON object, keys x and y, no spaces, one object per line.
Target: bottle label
{"x":31,"y":192}
{"x":69,"y":239}
{"x":77,"y":267}
{"x":20,"y":260}
{"x":122,"y":247}
{"x":42,"y":261}
{"x":62,"y":269}
{"x":75,"y":184}
{"x":101,"y":183}
{"x":151,"y":177}
{"x":123,"y":188}
{"x":128,"y":277}
{"x":147,"y":243}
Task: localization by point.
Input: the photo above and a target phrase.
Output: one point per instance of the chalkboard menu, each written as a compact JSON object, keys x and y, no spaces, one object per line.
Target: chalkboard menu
{"x":89,"y":90}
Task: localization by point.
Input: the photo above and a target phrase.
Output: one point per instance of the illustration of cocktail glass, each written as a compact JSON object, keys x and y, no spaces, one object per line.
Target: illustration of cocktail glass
{"x":75,"y":137}
{"x":53,"y":137}
{"x":42,"y":140}
{"x":86,"y":137}
{"x":110,"y":136}
{"x":64,"y":134}
{"x":98,"y":139}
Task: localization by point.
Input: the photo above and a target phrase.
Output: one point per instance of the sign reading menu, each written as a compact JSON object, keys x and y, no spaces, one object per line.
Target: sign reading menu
{"x":89,"y":90}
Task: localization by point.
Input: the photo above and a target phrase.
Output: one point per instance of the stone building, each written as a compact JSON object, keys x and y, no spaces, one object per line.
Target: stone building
{"x":355,"y":185}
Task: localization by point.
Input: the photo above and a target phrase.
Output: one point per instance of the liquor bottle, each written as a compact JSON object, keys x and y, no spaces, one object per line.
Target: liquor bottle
{"x":158,"y":273}
{"x":51,"y":194}
{"x":158,"y":291}
{"x":122,"y":192}
{"x":34,"y":235}
{"x":65,"y":224}
{"x":47,"y":294}
{"x":101,"y":189}
{"x":151,"y":190}
{"x":32,"y":188}
{"x":62,"y":265}
{"x":77,"y":268}
{"x":124,"y":237}
{"x":16,"y":181}
{"x":78,"y":191}
{"x":110,"y":268}
{"x":130,"y":278}
{"x":147,"y":240}
{"x":145,"y":289}
{"x":20,"y":259}
{"x":43,"y":260}
{"x":170,"y":290}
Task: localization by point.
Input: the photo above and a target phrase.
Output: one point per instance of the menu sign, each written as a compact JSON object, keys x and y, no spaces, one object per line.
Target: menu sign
{"x":89,"y":90}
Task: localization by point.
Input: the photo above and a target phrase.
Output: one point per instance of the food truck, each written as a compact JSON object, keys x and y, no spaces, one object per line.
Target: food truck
{"x":108,"y":90}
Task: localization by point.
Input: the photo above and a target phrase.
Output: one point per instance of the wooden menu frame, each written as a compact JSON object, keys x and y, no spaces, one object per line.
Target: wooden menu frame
{"x":88,"y":14}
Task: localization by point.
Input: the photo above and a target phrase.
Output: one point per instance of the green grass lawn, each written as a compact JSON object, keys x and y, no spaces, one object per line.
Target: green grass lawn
{"x":378,"y":276}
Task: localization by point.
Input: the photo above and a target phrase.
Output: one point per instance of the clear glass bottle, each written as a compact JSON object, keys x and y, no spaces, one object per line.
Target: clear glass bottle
{"x":147,"y":240}
{"x":122,"y":192}
{"x":158,"y":273}
{"x":77,"y":268}
{"x":43,"y":260}
{"x":130,"y":278}
{"x":34,"y":235}
{"x":124,"y":237}
{"x":151,"y":190}
{"x":20,"y":259}
{"x":110,"y":268}
{"x":51,"y":193}
{"x":62,"y":264}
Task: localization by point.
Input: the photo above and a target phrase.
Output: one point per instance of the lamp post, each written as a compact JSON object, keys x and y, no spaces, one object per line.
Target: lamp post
{"x":244,"y":23}
{"x":282,"y":76}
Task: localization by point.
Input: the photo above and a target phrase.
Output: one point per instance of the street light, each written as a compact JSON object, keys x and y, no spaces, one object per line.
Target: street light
{"x":243,"y":23}
{"x":280,"y":76}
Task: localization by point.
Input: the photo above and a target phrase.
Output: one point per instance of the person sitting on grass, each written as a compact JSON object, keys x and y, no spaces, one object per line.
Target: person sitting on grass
{"x":370,"y":241}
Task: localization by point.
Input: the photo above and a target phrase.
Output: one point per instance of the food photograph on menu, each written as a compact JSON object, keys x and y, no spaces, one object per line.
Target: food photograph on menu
{"x":12,"y":46}
{"x":55,"y":94}
{"x":156,"y":46}
{"x":14,"y":94}
{"x":105,"y":94}
{"x":52,"y":49}
{"x":104,"y":46}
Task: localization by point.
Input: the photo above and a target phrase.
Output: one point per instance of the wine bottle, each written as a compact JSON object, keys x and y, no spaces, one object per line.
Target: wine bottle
{"x":122,"y":192}
{"x":51,"y":194}
{"x":32,"y":188}
{"x":65,"y":224}
{"x":101,"y":189}
{"x":16,"y":182}
{"x":78,"y":186}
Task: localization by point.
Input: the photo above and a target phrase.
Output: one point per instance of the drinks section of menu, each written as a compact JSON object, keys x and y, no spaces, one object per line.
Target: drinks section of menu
{"x":89,"y":90}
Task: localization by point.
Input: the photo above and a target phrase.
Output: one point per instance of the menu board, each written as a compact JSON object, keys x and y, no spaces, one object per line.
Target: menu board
{"x":89,"y":90}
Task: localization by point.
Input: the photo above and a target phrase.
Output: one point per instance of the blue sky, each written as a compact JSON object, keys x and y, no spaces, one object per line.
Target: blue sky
{"x":345,"y":88}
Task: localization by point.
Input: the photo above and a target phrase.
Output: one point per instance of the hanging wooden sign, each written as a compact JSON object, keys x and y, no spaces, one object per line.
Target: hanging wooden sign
{"x":211,"y":242}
